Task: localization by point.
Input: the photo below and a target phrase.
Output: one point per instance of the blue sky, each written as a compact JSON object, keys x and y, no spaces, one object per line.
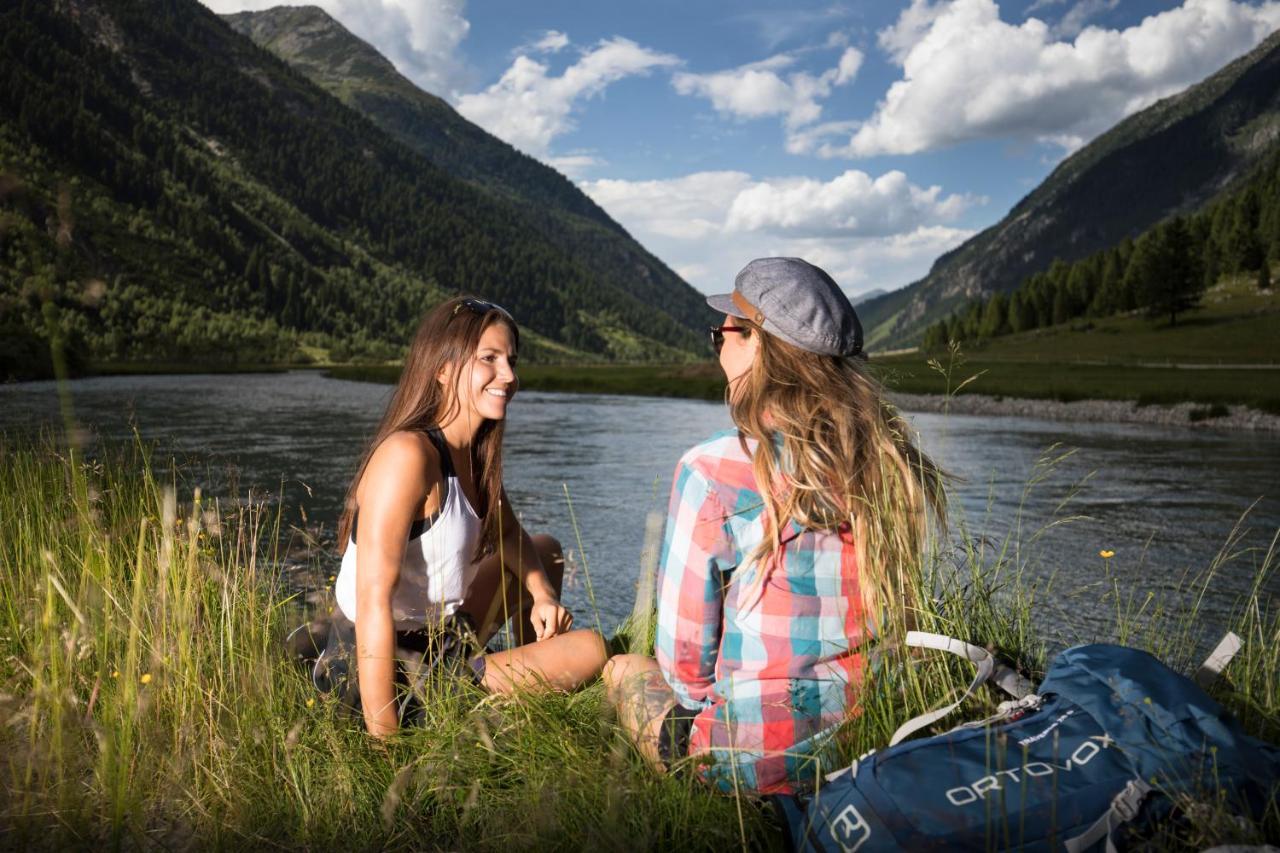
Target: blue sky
{"x":868,"y":137}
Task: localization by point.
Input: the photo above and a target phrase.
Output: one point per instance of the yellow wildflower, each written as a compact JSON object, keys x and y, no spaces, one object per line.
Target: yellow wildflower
{"x":1106,"y":555}
{"x":146,"y":678}
{"x":311,"y":703}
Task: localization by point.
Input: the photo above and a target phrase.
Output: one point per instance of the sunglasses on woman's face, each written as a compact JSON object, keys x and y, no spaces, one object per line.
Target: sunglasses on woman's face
{"x":717,"y":335}
{"x":478,"y":306}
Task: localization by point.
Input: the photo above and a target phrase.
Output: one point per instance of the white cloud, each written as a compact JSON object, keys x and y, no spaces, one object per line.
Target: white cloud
{"x":529,"y":108}
{"x":775,"y":26}
{"x":852,"y":203}
{"x":420,"y":37}
{"x":688,"y":208}
{"x":759,"y":89}
{"x":969,"y":75}
{"x":575,"y":164}
{"x":552,"y":41}
{"x":883,"y":262}
{"x":1070,"y":24}
{"x":867,"y":232}
{"x":912,"y":26}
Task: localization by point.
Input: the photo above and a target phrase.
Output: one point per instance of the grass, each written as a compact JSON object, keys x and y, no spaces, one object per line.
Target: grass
{"x":1235,"y":324}
{"x":1258,"y":389}
{"x":146,"y":701}
{"x":1219,"y":354}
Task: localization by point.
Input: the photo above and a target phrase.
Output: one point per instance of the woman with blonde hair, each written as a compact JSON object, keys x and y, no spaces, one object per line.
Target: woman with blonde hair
{"x":791,"y":541}
{"x":435,"y":559}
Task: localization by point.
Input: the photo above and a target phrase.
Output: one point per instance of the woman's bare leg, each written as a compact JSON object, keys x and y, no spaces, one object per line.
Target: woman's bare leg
{"x":563,"y":662}
{"x":643,"y":698}
{"x":496,"y":597}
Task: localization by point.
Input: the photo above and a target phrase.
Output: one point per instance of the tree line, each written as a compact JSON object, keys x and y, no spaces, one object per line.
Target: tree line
{"x":1162,"y":273}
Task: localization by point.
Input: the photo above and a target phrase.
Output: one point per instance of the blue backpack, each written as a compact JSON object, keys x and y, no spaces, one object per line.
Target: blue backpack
{"x":1112,"y":737}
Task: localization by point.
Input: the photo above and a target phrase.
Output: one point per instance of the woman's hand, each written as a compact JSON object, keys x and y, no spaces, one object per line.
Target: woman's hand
{"x":549,"y":617}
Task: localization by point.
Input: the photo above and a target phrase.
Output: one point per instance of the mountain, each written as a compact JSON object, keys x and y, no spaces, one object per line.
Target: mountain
{"x":875,"y":293}
{"x":352,"y":70}
{"x":1168,"y":159}
{"x":170,"y":190}
{"x":329,"y":55}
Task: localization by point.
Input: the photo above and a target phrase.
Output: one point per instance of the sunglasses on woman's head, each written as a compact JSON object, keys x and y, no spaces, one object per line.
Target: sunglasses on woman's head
{"x":479,"y":306}
{"x":717,"y":335}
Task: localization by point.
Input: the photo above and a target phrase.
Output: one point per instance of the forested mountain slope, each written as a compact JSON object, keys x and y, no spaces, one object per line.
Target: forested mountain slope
{"x":328,"y":54}
{"x":168,"y":189}
{"x":352,"y":70}
{"x":1170,"y":158}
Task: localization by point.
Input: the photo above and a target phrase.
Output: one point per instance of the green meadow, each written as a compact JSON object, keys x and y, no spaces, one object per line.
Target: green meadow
{"x":1223,"y":352}
{"x":146,"y":701}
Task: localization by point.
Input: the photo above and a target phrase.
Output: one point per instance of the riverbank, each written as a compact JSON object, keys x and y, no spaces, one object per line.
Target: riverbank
{"x":1137,"y":394}
{"x":1230,"y":397}
{"x":1195,"y":415}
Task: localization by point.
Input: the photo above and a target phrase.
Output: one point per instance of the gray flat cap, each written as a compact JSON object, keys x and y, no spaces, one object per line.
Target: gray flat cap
{"x":796,"y":301}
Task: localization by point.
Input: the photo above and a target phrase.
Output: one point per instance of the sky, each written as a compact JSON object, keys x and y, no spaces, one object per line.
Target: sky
{"x":867,"y":137}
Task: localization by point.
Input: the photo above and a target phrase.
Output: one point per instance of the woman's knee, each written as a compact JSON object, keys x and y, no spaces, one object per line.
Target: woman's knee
{"x":591,"y":647}
{"x":621,"y":667}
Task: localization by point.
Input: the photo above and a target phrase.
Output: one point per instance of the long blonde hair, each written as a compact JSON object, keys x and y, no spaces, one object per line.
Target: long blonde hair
{"x":846,"y":462}
{"x":447,"y":337}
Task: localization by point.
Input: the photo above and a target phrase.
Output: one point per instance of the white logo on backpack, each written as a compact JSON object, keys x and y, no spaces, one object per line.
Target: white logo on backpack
{"x":978,"y":789}
{"x":849,"y":830}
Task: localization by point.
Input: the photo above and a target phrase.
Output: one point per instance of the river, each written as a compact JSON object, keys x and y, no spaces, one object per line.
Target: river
{"x":1163,"y":499}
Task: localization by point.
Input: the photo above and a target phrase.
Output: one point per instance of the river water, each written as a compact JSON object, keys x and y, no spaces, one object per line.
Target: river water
{"x":1164,"y":500}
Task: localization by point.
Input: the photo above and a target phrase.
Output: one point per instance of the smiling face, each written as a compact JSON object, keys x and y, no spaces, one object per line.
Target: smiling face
{"x":737,"y":354}
{"x":486,"y":382}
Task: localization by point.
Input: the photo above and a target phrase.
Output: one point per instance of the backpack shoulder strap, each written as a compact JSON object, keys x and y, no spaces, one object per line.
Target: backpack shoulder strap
{"x":1217,"y":660}
{"x":988,"y":667}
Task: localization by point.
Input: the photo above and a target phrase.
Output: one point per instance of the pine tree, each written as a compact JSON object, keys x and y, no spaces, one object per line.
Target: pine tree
{"x":1022,"y":315}
{"x":1061,"y":305}
{"x":1211,"y":263}
{"x":1107,"y":300}
{"x":251,"y":268}
{"x":1243,"y":248}
{"x":993,"y":317}
{"x":935,"y":337}
{"x":1165,"y":272}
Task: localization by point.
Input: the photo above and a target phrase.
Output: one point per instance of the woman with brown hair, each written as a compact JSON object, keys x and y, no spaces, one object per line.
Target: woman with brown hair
{"x":435,"y":559}
{"x":791,"y":541}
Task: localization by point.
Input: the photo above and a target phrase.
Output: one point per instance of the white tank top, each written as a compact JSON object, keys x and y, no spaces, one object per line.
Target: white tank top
{"x":437,"y":567}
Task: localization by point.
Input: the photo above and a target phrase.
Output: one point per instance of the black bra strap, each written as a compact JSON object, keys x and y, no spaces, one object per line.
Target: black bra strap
{"x":422,"y":525}
{"x":419,"y":526}
{"x":442,"y":448}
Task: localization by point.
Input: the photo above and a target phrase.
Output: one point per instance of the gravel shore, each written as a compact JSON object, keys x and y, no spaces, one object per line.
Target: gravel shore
{"x":1117,"y":411}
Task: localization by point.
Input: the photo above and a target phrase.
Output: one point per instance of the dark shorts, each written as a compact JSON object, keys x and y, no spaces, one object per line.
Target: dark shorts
{"x":673,"y":737}
{"x":449,"y":650}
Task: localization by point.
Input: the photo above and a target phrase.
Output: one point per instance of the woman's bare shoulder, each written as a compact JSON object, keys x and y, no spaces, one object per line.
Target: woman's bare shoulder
{"x":406,"y":458}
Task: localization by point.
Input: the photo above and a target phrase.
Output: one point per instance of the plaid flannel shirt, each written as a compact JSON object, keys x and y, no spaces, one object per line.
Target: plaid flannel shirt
{"x":774,"y":672}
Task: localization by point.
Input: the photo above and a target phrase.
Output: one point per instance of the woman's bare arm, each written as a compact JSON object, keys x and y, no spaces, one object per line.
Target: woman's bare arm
{"x":397,"y":482}
{"x":548,"y":616}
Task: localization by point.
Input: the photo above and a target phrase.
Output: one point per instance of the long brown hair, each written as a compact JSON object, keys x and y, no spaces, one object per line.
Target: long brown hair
{"x":846,"y":462}
{"x":446,"y":339}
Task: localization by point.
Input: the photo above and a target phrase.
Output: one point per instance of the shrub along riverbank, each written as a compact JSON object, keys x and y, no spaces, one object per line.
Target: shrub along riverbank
{"x":145,"y":700}
{"x":915,"y":374}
